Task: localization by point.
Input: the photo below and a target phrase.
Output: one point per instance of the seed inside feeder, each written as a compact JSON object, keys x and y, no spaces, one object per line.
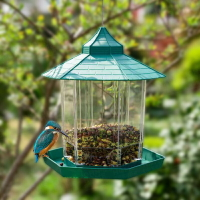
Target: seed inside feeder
{"x":101,"y":146}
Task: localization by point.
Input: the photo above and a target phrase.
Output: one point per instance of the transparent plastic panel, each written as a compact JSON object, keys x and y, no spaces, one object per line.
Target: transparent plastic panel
{"x":96,"y":140}
{"x":130,"y":114}
{"x":104,"y":121}
{"x":142,"y":116}
{"x":68,"y":118}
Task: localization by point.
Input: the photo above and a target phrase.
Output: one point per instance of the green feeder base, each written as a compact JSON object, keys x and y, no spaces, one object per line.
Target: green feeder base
{"x":150,"y":161}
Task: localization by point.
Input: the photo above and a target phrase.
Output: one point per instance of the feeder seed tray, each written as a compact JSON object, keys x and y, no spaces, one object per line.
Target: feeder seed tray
{"x":150,"y":161}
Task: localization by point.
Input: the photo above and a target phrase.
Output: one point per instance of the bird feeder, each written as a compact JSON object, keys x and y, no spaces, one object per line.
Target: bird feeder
{"x":103,"y":107}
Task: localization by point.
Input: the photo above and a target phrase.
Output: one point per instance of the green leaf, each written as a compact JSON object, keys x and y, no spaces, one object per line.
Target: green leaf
{"x":29,"y":31}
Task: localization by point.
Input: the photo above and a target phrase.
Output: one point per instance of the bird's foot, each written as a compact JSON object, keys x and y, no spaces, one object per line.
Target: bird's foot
{"x":45,"y":155}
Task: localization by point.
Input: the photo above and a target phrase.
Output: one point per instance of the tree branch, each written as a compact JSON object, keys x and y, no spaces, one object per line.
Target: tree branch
{"x":179,"y":57}
{"x":26,"y":18}
{"x":32,"y":188}
{"x":36,"y":28}
{"x":19,"y":131}
{"x":19,"y":160}
{"x":169,"y":67}
{"x":111,"y":18}
{"x":65,"y":28}
{"x":168,"y":28}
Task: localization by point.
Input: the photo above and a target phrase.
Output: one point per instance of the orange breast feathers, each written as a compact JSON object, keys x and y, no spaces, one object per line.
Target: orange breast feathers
{"x":55,"y":139}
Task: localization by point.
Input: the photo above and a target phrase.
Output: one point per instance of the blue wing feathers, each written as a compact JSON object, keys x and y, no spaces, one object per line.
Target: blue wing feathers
{"x":44,"y":139}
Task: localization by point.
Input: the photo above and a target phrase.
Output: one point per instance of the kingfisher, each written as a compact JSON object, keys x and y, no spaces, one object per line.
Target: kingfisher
{"x":47,"y":138}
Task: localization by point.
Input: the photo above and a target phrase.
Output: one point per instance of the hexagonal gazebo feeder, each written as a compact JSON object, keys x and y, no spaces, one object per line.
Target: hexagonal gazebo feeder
{"x":103,"y":106}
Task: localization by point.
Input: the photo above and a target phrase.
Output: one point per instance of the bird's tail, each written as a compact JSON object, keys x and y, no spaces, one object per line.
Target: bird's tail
{"x":36,"y":157}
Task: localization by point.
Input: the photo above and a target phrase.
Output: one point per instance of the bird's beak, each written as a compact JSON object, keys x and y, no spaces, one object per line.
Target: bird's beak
{"x":62,"y":132}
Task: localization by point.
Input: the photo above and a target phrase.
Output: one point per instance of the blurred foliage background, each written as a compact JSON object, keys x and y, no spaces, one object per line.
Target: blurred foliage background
{"x":37,"y":35}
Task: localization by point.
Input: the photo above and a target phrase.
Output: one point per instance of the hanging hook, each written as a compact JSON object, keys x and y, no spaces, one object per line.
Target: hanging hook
{"x":102,"y":13}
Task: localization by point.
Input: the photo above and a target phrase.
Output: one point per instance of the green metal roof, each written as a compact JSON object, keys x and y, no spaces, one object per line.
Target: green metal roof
{"x":102,"y":43}
{"x":102,"y":58}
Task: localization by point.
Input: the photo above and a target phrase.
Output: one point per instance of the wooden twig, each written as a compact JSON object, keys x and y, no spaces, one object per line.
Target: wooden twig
{"x":179,"y":54}
{"x":111,"y":18}
{"x":20,"y":121}
{"x":32,"y":188}
{"x":5,"y":195}
{"x":169,"y":67}
{"x":65,"y":28}
{"x":36,"y":28}
{"x":168,"y":28}
{"x":26,"y":18}
{"x":19,"y":160}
